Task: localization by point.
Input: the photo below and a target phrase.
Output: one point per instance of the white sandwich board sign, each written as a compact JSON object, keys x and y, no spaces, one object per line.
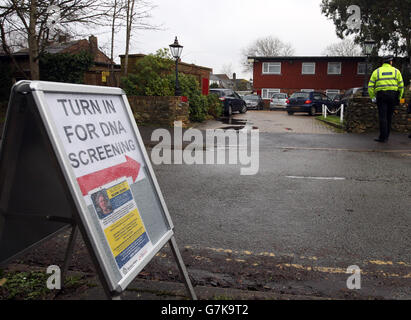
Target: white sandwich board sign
{"x":114,"y":197}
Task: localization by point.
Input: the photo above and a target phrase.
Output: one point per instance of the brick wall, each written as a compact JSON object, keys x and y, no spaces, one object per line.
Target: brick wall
{"x":161,"y":111}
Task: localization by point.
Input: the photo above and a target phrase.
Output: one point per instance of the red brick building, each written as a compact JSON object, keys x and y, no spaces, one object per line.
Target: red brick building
{"x":104,"y":72}
{"x":331,"y":75}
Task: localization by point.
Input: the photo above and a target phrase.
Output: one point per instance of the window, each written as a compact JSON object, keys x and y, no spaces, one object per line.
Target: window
{"x":317,"y":96}
{"x":324,"y":97}
{"x":331,"y":93}
{"x":272,"y":68}
{"x":268,"y":93}
{"x":334,"y":67}
{"x":361,"y":68}
{"x":307,"y":90}
{"x":308,"y":68}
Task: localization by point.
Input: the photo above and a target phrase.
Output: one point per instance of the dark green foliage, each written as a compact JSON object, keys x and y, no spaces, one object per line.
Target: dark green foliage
{"x":388,"y":23}
{"x":65,"y":67}
{"x":150,"y":76}
{"x":154,"y":76}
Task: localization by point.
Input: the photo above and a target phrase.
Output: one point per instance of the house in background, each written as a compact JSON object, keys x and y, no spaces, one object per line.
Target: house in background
{"x":202,"y":74}
{"x":223,"y":81}
{"x":103,"y":72}
{"x":331,"y":75}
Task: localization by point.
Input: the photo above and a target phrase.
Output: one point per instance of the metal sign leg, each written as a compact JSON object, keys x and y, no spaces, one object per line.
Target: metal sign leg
{"x":69,"y":253}
{"x":182,"y":268}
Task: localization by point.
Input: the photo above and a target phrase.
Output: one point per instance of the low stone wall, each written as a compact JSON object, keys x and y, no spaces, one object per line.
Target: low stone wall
{"x":162,"y":111}
{"x":361,"y":115}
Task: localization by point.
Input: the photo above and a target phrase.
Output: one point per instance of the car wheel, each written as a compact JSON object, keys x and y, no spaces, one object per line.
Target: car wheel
{"x":290,"y":113}
{"x":313,"y":111}
{"x":229,"y":111}
{"x":243,"y":109}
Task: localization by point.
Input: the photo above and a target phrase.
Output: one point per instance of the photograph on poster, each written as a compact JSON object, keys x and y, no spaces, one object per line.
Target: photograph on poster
{"x":102,"y":204}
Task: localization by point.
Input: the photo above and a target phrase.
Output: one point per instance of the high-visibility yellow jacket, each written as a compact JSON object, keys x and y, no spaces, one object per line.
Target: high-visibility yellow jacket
{"x":386,"y":78}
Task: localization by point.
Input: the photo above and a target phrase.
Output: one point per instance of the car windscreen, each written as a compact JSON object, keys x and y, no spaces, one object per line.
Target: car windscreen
{"x":300,"y":95}
{"x":217,"y":92}
{"x":280,"y":96}
{"x":250,"y":98}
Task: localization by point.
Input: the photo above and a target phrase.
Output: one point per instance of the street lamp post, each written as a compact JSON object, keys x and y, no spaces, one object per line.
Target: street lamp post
{"x":176,"y":50}
{"x":368,"y":47}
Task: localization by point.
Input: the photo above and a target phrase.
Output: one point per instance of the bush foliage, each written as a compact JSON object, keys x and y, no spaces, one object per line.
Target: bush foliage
{"x":155,"y":77}
{"x":65,"y":67}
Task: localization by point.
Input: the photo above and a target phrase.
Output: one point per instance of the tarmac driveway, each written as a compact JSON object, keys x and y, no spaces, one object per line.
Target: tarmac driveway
{"x":272,"y":122}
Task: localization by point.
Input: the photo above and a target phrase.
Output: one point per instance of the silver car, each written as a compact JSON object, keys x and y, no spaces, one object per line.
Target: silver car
{"x":278,"y":100}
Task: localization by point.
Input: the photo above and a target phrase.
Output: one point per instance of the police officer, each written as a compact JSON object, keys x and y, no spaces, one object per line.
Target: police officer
{"x":387,"y":86}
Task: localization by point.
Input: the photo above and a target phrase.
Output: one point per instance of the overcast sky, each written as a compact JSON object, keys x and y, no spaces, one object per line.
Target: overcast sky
{"x":213,"y":32}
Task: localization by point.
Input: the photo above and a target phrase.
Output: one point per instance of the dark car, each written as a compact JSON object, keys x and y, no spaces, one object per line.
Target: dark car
{"x":254,"y":101}
{"x":310,"y":102}
{"x":231,"y":101}
{"x":340,"y":99}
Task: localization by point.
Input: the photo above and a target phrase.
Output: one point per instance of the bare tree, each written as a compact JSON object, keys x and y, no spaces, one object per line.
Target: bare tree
{"x":137,"y":16}
{"x":345,"y":47}
{"x":266,"y":47}
{"x":117,"y":10}
{"x":33,"y":19}
{"x":227,"y":69}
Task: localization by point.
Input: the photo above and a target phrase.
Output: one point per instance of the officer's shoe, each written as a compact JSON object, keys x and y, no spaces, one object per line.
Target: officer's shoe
{"x":380,"y":140}
{"x":409,"y":136}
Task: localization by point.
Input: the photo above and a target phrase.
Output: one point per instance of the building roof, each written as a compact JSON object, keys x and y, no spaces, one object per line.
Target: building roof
{"x":74,"y":47}
{"x":219,"y":77}
{"x":296,"y":58}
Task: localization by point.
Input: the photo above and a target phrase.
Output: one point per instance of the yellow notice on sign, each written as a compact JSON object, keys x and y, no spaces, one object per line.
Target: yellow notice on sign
{"x":124,"y":232}
{"x":117,"y":189}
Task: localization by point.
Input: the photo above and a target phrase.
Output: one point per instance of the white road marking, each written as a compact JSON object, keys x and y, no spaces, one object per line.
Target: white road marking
{"x":316,"y":178}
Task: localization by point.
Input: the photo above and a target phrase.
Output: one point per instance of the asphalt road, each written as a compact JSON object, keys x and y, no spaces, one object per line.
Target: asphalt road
{"x":323,"y":202}
{"x":319,"y":203}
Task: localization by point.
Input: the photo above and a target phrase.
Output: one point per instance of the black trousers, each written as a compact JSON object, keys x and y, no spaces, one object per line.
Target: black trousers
{"x":386,"y":101}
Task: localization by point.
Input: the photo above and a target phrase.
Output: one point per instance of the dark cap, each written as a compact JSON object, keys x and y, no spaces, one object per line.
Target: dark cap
{"x":388,"y":59}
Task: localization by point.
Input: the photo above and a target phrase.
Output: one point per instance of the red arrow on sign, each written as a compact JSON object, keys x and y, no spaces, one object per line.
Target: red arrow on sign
{"x":91,"y":181}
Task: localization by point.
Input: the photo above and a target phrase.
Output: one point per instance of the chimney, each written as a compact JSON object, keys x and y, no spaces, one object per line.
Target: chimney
{"x":93,"y":45}
{"x":234,"y":81}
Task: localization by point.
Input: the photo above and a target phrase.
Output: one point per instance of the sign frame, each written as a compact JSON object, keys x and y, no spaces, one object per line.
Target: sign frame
{"x":113,"y":288}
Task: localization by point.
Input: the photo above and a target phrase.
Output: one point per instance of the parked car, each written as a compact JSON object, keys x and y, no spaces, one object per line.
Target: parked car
{"x":278,"y":100}
{"x":310,"y":102}
{"x":254,"y":101}
{"x":340,"y":99}
{"x":231,"y":101}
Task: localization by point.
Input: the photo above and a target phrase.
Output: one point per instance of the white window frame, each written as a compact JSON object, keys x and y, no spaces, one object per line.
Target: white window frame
{"x":307,"y":90}
{"x":267,"y":93}
{"x":308,"y":64}
{"x":334,"y":63}
{"x":336,"y":91}
{"x":268,"y":65}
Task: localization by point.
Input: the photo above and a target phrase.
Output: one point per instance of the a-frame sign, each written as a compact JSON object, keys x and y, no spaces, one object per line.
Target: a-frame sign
{"x":72,"y":155}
